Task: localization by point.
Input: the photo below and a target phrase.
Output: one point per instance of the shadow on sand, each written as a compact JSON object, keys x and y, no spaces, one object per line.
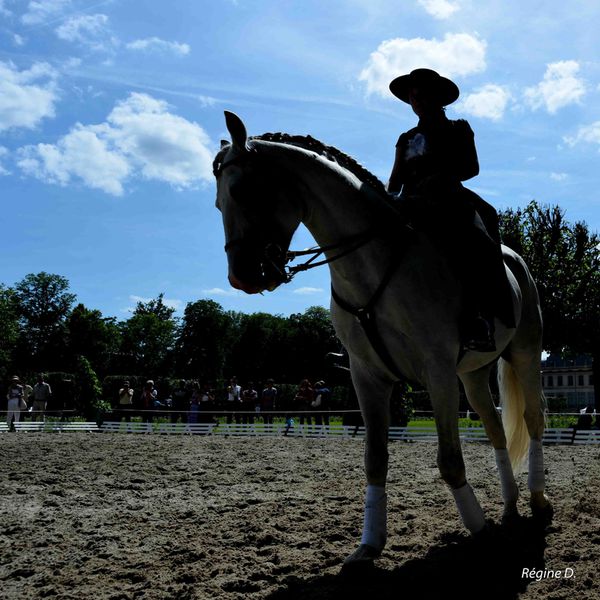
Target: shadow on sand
{"x":459,"y":566}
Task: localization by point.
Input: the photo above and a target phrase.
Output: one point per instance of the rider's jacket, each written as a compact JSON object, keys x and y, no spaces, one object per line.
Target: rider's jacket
{"x":436,"y":148}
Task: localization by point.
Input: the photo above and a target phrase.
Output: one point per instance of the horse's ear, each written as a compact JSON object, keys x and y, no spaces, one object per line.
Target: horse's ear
{"x":237,"y":129}
{"x":224,"y":143}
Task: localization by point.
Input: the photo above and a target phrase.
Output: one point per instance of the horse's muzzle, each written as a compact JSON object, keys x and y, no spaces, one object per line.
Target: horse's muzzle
{"x":253,"y":270}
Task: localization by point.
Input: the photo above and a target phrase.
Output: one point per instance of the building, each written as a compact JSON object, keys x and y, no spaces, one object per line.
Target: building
{"x":571,"y":379}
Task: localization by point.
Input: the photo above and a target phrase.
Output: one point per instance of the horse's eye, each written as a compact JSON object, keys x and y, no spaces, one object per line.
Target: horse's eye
{"x":239,"y":190}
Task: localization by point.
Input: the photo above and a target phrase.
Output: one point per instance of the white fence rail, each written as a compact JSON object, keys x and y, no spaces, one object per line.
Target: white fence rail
{"x":402,"y":434}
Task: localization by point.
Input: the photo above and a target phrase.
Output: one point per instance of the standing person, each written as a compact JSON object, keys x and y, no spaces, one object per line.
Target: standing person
{"x":148,"y":400}
{"x":207,"y":402}
{"x":125,"y":401}
{"x":268,"y":402}
{"x":249,"y":403}
{"x":180,"y":396}
{"x":431,"y":162}
{"x":15,"y":402}
{"x":28,"y":398}
{"x":234,"y":393}
{"x":303,"y":400}
{"x":322,"y":402}
{"x":41,"y":394}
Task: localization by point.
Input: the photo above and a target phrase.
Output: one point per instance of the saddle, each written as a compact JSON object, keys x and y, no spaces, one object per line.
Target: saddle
{"x":464,"y":228}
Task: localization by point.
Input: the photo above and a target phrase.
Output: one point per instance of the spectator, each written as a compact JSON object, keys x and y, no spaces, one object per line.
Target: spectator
{"x":234,"y":393}
{"x":194,"y":408}
{"x":249,"y":403}
{"x":28,"y":397}
{"x":15,"y":402}
{"x":148,"y":400}
{"x":179,"y":402}
{"x":125,"y":401}
{"x":207,"y":402}
{"x":322,"y":402}
{"x":268,"y":402}
{"x":303,"y":401}
{"x":41,"y":394}
{"x":584,"y":421}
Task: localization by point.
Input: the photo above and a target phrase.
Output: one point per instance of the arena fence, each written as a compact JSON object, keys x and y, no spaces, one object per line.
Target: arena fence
{"x":401,"y":434}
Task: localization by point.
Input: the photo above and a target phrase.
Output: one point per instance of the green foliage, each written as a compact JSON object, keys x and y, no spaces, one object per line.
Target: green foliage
{"x":148,"y":338}
{"x":9,"y":328}
{"x":88,"y":391}
{"x":89,"y":333}
{"x":44,"y":302}
{"x":205,"y":339}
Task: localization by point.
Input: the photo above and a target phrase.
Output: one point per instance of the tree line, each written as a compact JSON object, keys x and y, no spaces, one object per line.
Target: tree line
{"x":42,"y":328}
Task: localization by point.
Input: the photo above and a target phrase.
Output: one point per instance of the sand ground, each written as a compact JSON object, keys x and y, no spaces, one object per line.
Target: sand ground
{"x":115,"y":516}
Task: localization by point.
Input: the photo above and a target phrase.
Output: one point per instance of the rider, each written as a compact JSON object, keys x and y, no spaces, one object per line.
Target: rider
{"x":432,"y":160}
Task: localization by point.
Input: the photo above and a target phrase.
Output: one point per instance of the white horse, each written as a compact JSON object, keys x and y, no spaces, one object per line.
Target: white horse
{"x":395,"y":307}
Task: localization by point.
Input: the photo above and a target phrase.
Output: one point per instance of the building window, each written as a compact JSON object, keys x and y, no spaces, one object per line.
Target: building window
{"x":580,"y":380}
{"x":570,"y":380}
{"x":559,"y":381}
{"x":550,"y":381}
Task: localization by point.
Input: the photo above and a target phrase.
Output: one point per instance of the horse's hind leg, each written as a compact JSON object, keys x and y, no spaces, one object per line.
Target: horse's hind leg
{"x":478,"y":393}
{"x":526,"y":370}
{"x":443,"y":390}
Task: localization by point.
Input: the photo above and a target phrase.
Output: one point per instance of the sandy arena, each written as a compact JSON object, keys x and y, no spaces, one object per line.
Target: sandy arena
{"x":114,"y":516}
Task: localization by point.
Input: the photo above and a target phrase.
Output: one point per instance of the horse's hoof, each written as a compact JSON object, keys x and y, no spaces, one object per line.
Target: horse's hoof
{"x":511,"y":518}
{"x":361,"y":559}
{"x":542,"y":514}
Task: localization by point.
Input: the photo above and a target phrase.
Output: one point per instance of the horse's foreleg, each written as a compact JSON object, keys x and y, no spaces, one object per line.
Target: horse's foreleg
{"x":443,"y":389}
{"x":373,"y":396}
{"x":477,"y":389}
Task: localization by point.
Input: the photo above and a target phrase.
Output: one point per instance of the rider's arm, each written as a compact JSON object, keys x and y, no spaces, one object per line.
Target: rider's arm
{"x":466,"y":163}
{"x":397,"y":177}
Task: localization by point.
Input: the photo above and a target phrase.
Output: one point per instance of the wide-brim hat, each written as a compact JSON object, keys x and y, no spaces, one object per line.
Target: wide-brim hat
{"x":442,"y":88}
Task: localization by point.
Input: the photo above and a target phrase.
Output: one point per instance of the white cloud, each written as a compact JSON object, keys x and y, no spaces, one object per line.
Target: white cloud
{"x":3,"y":155}
{"x":558,"y":176}
{"x":91,"y":31}
{"x":560,"y":87}
{"x":589,"y":134}
{"x":307,"y":291}
{"x":18,"y":40}
{"x":3,"y":10}
{"x":158,"y":45}
{"x":139,"y":138}
{"x":26,"y":97}
{"x":457,"y":54}
{"x":221,"y":292}
{"x":39,"y":11}
{"x":84,"y":153}
{"x":440,"y":9}
{"x":487,"y":102}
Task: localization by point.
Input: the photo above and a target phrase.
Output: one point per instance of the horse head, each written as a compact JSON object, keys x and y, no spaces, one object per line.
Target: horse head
{"x":259,"y":216}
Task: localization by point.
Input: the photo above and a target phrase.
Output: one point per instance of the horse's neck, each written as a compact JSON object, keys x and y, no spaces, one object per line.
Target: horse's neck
{"x":337,"y":207}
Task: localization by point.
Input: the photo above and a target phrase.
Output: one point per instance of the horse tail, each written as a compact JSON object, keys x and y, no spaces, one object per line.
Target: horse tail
{"x":512,"y":401}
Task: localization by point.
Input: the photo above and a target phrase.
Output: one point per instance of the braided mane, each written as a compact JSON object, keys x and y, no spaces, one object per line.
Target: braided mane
{"x":330,"y":152}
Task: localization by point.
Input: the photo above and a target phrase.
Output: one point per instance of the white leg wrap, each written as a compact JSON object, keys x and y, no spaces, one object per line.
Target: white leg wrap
{"x":469,"y":509}
{"x":375,"y":525}
{"x":536,"y":477}
{"x":510,"y":492}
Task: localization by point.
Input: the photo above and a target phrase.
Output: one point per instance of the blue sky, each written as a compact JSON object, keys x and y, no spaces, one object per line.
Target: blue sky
{"x":111,"y":112}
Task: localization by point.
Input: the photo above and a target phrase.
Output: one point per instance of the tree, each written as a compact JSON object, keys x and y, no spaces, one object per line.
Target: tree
{"x":44,"y":302}
{"x":88,"y":391}
{"x":148,"y":338}
{"x":9,"y":328}
{"x":92,"y":335}
{"x":310,"y":337}
{"x":205,"y":337}
{"x":564,"y":259}
{"x":259,"y":349}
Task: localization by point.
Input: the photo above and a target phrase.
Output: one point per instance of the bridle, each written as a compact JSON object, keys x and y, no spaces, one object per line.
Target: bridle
{"x":272,"y":252}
